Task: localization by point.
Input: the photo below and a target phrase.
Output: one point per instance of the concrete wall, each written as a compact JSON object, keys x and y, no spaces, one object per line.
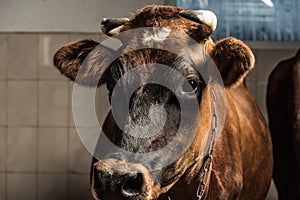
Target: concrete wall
{"x":64,"y":15}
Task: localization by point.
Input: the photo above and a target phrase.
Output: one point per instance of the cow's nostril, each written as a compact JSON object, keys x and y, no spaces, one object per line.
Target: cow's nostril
{"x":133,"y":185}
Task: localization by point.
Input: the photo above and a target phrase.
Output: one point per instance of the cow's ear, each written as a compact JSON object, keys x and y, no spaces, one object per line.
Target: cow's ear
{"x":71,"y":59}
{"x":234,"y":60}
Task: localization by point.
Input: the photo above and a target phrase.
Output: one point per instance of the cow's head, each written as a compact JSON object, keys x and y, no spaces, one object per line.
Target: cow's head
{"x":115,"y":177}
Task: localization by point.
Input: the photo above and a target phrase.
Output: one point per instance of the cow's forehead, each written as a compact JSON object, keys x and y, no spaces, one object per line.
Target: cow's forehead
{"x":148,"y":62}
{"x":163,"y":46}
{"x":156,"y":12}
{"x":161,"y":16}
{"x":158,"y":34}
{"x":167,"y":17}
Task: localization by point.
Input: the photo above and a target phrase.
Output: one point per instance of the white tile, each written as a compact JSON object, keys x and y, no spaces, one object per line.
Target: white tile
{"x":79,"y":157}
{"x":53,"y":149}
{"x":266,"y":60}
{"x":2,"y":149}
{"x":71,"y":122}
{"x":53,"y":103}
{"x":252,"y":87}
{"x":22,"y":103}
{"x":261,"y":99}
{"x":3,"y":57}
{"x":52,"y":187}
{"x":21,"y":186}
{"x":79,"y":187}
{"x":3,"y":102}
{"x":22,"y":56}
{"x":2,"y":186}
{"x":82,"y":108}
{"x":22,"y":149}
{"x":48,"y":46}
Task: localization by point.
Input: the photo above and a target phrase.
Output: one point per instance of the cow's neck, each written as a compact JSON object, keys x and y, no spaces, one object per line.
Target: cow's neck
{"x":206,"y":166}
{"x":187,"y":186}
{"x":197,"y":177}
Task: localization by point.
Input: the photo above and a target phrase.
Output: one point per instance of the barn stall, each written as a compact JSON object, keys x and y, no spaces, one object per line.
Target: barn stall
{"x":41,"y":155}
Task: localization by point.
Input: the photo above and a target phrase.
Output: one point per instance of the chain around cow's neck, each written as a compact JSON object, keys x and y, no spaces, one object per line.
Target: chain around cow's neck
{"x":206,"y":166}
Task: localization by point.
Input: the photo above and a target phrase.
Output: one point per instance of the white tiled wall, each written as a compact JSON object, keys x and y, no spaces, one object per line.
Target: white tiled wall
{"x":21,"y":186}
{"x":48,"y":44}
{"x":79,"y":157}
{"x":52,"y":186}
{"x":3,"y":57}
{"x":266,"y":60}
{"x":52,"y":150}
{"x":22,"y":103}
{"x":3,"y":153}
{"x":3,"y":102}
{"x":25,"y":48}
{"x":78,"y":189}
{"x":53,"y":103}
{"x":2,"y":185}
{"x":41,"y":156}
{"x":22,"y":149}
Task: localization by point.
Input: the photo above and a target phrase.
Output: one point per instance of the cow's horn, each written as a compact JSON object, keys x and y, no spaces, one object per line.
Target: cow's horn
{"x":202,"y":16}
{"x":108,"y":25}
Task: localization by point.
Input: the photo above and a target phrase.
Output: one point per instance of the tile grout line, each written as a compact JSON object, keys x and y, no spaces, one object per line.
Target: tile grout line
{"x":37,"y":119}
{"x":41,"y":126}
{"x":6,"y":121}
{"x":35,"y":79}
{"x":68,"y":136}
{"x":43,"y":172}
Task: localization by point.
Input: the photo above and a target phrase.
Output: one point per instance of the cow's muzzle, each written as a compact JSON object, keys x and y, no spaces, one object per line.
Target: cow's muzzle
{"x":117,"y":179}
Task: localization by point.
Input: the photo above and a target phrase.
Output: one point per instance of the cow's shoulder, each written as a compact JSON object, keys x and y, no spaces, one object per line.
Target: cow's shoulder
{"x":234,"y":154}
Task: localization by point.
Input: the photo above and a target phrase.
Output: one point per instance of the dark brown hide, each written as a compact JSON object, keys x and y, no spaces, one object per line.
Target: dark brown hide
{"x":283,"y":103}
{"x":242,"y":163}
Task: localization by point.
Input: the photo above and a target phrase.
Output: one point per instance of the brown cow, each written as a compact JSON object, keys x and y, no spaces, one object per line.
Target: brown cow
{"x":242,"y":156}
{"x":283,"y":103}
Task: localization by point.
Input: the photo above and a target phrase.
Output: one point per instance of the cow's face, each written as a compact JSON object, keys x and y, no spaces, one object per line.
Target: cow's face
{"x":150,"y":97}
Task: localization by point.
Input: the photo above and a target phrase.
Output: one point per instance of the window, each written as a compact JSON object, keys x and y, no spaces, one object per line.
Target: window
{"x":253,"y":20}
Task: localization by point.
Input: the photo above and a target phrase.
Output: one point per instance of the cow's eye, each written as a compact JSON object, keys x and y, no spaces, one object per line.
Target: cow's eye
{"x":190,"y":87}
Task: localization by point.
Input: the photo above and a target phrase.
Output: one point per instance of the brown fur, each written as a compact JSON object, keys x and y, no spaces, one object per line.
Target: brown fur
{"x":242,"y":165}
{"x":69,"y":60}
{"x":238,"y":171}
{"x":234,"y":60}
